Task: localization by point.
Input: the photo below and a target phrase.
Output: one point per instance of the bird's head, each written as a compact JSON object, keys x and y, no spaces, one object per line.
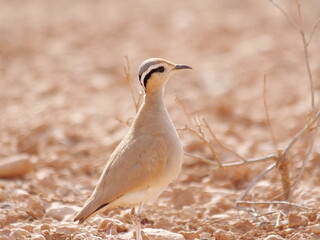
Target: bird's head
{"x":155,"y":72}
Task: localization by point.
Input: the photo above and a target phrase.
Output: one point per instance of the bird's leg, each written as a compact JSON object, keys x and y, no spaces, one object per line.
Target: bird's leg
{"x":137,"y":221}
{"x":140,"y":209}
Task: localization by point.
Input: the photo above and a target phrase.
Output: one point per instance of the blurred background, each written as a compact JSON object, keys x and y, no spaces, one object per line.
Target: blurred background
{"x":64,"y":98}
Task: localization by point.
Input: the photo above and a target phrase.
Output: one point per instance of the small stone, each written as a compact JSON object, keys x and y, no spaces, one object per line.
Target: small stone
{"x":15,"y":166}
{"x":64,"y":190}
{"x":60,"y":212}
{"x":58,"y":236}
{"x":205,"y":235}
{"x":296,"y":220}
{"x":224,"y":235}
{"x":38,"y":237}
{"x":68,"y":230}
{"x":80,"y":236}
{"x":28,"y":227}
{"x":8,"y":218}
{"x":156,"y":234}
{"x":112,"y":225}
{"x":243,"y":226}
{"x":5,"y":232}
{"x":45,"y":227}
{"x":315,"y":229}
{"x":162,"y":223}
{"x":19,"y":233}
{"x":35,"y":209}
{"x":3,"y":196}
{"x":5,"y":238}
{"x":273,"y":237}
{"x":187,"y":212}
{"x":21,"y":194}
{"x":190,"y":235}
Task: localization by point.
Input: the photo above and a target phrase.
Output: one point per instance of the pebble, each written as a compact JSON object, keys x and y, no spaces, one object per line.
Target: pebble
{"x":85,"y":236}
{"x":224,"y":235}
{"x":3,"y":196}
{"x":155,"y":234}
{"x":273,"y":237}
{"x":205,"y":235}
{"x":68,"y":230}
{"x":296,"y":220}
{"x":315,"y":229}
{"x":162,"y":222}
{"x":5,"y":232}
{"x":161,"y":234}
{"x":187,"y":212}
{"x":60,"y":212}
{"x":21,"y":194}
{"x":15,"y":166}
{"x":17,"y":234}
{"x":243,"y":225}
{"x":189,"y":234}
{"x":112,"y":225}
{"x":38,"y":237}
{"x":35,"y":209}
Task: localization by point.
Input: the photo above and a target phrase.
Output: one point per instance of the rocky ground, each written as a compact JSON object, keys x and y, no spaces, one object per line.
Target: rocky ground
{"x":65,"y":103}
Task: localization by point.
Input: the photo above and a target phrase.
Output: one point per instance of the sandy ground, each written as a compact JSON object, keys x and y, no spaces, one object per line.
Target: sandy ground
{"x":64,"y":102}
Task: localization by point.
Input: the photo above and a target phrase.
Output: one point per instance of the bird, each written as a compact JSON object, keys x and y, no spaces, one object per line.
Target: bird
{"x":148,"y":158}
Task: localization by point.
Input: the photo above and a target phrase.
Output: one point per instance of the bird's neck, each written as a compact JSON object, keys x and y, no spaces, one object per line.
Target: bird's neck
{"x":152,"y":109}
{"x":153,"y":101}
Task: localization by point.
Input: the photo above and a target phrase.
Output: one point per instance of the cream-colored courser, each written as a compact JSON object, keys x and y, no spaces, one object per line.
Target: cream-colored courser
{"x":149,"y":157}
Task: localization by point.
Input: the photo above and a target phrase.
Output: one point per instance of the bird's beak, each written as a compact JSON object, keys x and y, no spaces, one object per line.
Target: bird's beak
{"x":181,"y":66}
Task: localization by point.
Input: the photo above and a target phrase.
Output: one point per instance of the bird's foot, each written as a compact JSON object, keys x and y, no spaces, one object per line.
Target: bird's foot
{"x":143,"y":236}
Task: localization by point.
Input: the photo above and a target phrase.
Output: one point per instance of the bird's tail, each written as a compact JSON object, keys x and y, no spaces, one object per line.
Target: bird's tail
{"x":89,"y":209}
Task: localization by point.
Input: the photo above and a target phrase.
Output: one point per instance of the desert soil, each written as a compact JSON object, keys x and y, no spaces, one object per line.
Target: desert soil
{"x":65,"y":104}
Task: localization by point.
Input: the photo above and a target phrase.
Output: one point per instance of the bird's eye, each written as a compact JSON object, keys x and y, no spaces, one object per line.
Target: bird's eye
{"x":161,"y":69}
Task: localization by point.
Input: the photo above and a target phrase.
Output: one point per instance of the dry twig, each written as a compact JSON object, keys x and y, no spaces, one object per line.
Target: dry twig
{"x":127,"y":75}
{"x":266,"y":109}
{"x":281,"y":157}
{"x":276,"y":202}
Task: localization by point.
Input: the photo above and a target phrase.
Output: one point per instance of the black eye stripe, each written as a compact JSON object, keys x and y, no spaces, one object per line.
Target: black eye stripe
{"x":146,"y":78}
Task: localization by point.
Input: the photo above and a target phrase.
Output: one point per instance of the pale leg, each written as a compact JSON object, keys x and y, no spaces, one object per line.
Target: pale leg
{"x":137,"y":221}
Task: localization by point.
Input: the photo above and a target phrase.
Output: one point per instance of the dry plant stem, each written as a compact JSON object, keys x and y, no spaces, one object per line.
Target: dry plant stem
{"x":282,"y":162}
{"x":232,"y":164}
{"x":305,"y":45}
{"x":313,"y":30}
{"x":219,"y":142}
{"x":283,"y":168}
{"x":276,"y":202}
{"x":197,"y":130}
{"x":205,"y":160}
{"x":306,"y":57}
{"x":281,"y":157}
{"x":267,"y":112}
{"x":286,"y":15}
{"x":199,"y":133}
{"x":312,"y":140}
{"x":308,"y":127}
{"x":256,"y":179}
{"x":312,"y":125}
{"x":129,"y":80}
